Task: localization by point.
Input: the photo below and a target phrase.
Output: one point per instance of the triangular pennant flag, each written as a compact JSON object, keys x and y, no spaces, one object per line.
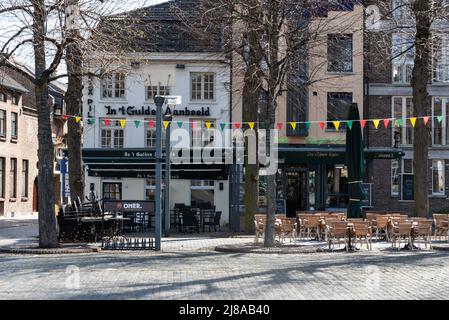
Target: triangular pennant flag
{"x":413,"y":122}
{"x":65,"y":117}
{"x":336,"y":124}
{"x":106,"y":122}
{"x":349,"y":123}
{"x":376,"y":123}
{"x":208,"y":124}
{"x":363,"y":123}
{"x":322,"y":125}
{"x":77,"y":119}
{"x":91,"y":121}
{"x":426,"y":120}
{"x":386,"y":123}
{"x":137,"y":123}
{"x":237,"y":125}
{"x":440,"y":118}
{"x":280,"y":125}
{"x":122,"y":123}
{"x":308,"y":124}
{"x":193,"y":124}
{"x":251,"y":125}
{"x":293,"y":124}
{"x":166,"y":123}
{"x":398,"y":123}
{"x":151,"y":124}
{"x":180,"y":123}
{"x":222,"y":126}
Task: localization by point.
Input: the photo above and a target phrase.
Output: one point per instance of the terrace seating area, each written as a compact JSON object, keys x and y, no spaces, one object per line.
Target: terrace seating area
{"x":396,"y":228}
{"x":185,"y":218}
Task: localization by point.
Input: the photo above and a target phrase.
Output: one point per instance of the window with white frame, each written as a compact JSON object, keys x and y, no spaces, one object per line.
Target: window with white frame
{"x":401,"y":11}
{"x":150,"y":189}
{"x":202,"y":136}
{"x":441,"y":58}
{"x":403,"y":52}
{"x":395,"y":177}
{"x":438,"y":179}
{"x":113,"y":135}
{"x":202,"y":192}
{"x":150,"y":135}
{"x":440,"y":109}
{"x":113,"y":85}
{"x":402,"y":112}
{"x":202,"y":86}
{"x":3,"y":97}
{"x":153,"y":91}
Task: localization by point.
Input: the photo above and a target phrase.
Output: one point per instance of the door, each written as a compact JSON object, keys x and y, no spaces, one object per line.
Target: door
{"x":296,"y":192}
{"x":112,"y":191}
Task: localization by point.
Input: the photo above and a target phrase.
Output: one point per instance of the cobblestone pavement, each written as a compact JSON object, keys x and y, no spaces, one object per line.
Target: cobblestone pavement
{"x":189,"y":269}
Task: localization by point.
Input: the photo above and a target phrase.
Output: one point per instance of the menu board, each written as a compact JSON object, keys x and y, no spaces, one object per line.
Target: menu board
{"x":280,"y":206}
{"x":407,"y":187}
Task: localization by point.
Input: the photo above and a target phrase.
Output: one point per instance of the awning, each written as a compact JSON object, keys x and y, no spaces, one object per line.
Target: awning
{"x":330,"y":154}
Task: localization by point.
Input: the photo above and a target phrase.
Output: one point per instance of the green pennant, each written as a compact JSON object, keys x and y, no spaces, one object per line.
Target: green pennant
{"x":180,"y":123}
{"x":440,"y":118}
{"x":350,"y":125}
{"x":222,"y":125}
{"x":308,"y":124}
{"x":137,"y":123}
{"x":398,"y":123}
{"x":91,"y":121}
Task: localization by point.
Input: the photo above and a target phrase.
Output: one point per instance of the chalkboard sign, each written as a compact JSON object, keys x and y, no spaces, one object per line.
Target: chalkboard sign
{"x":280,"y":206}
{"x":368,"y":190}
{"x":407,"y":187}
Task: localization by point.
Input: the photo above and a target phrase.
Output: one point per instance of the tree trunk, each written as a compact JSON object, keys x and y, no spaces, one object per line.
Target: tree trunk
{"x":48,"y":228}
{"x":73,"y":100}
{"x":421,"y":106}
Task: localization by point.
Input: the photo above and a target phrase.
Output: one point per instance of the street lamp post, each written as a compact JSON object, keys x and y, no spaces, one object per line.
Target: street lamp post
{"x":159,"y":102}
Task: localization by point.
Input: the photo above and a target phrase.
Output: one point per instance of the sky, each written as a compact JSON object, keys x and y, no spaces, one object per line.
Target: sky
{"x":25,"y":55}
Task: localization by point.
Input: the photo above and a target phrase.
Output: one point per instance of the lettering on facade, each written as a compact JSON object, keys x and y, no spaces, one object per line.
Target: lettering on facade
{"x":151,"y":111}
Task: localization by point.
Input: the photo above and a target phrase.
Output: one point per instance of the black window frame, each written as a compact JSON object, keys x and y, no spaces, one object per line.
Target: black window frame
{"x":14,"y":125}
{"x":2,"y":176}
{"x":335,"y":51}
{"x":13,"y":176}
{"x":341,"y":96}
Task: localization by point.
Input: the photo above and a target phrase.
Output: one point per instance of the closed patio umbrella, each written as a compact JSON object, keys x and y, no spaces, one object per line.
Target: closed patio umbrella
{"x":355,"y":162}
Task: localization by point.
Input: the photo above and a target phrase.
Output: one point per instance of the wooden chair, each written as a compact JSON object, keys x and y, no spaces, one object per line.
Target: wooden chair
{"x":311,"y":225}
{"x":423,"y":231}
{"x":336,"y":231}
{"x":260,"y":222}
{"x":362,"y":230}
{"x":401,"y":230}
{"x":355,"y":220}
{"x":381,"y":224}
{"x":288,"y":228}
{"x":441,"y":221}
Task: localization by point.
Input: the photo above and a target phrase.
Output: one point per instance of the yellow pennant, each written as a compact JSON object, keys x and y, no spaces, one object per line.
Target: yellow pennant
{"x":166,"y":123}
{"x":208,"y":125}
{"x":376,"y":123}
{"x":336,"y":124}
{"x":77,"y":119}
{"x":251,"y":125}
{"x":293,"y":124}
{"x":413,"y":121}
{"x":122,"y":123}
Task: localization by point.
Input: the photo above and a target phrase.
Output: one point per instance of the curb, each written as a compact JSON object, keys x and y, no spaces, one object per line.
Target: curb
{"x":48,"y":251}
{"x":275,"y":250}
{"x":440,"y":248}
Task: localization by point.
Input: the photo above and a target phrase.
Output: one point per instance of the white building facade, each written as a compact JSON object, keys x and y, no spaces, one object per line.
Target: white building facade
{"x":119,"y":123}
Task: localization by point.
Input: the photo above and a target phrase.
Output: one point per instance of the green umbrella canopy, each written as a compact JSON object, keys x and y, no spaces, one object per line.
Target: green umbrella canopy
{"x":355,"y":163}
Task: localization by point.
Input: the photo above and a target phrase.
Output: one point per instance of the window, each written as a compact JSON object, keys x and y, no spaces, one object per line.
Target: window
{"x":339,"y":53}
{"x":150,"y":189}
{"x":202,"y":192}
{"x":337,"y":186}
{"x":441,"y":58}
{"x":13,"y":178}
{"x":438,"y":177}
{"x":112,"y":191}
{"x":14,"y":125}
{"x":113,"y":85}
{"x":401,"y":10}
{"x":15,"y":100}
{"x":201,"y":135}
{"x":151,"y":135}
{"x":2,"y":177}
{"x":202,"y":86}
{"x":153,"y":91}
{"x":2,"y":124}
{"x":395,"y":177}
{"x":112,"y":136}
{"x":25,"y":178}
{"x":402,"y":111}
{"x":403,"y":52}
{"x":3,"y":97}
{"x":338,"y":104}
{"x":440,"y":131}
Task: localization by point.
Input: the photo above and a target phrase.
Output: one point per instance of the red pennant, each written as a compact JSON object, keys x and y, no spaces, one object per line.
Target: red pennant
{"x":65,"y":117}
{"x":106,"y":122}
{"x":237,"y":125}
{"x":280,"y":125}
{"x":363,"y":123}
{"x":386,"y":123}
{"x":193,"y":124}
{"x":322,"y":125}
{"x":151,"y":123}
{"x":426,"y":120}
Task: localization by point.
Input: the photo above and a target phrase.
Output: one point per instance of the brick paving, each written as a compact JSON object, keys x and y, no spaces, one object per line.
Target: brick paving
{"x":189,"y":268}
